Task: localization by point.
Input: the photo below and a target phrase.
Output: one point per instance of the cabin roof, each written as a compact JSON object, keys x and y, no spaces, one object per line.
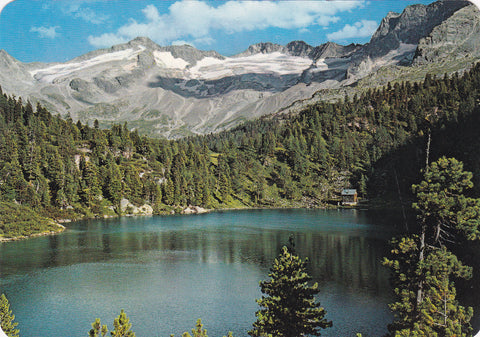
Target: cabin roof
{"x":349,"y":191}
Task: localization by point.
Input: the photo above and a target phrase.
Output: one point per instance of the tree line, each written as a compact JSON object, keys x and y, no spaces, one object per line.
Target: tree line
{"x":423,"y":270}
{"x":64,"y":169}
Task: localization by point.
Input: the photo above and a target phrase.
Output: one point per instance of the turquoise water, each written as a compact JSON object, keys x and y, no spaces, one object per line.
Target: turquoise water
{"x":167,"y":271}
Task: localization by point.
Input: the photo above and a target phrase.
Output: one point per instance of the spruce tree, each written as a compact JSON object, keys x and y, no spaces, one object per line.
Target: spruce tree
{"x":288,"y":308}
{"x":7,"y":318}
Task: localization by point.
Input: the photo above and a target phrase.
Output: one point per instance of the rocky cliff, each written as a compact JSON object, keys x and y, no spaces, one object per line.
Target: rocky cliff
{"x":456,"y":37}
{"x":177,"y":91}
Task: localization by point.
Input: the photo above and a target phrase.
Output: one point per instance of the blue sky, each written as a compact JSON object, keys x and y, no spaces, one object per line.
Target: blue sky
{"x":59,"y":30}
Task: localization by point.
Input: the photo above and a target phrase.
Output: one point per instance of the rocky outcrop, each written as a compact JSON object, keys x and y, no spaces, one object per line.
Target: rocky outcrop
{"x":191,"y":54}
{"x":262,"y":48}
{"x":456,"y":37}
{"x":299,"y":48}
{"x":179,"y":91}
{"x":127,"y":207}
{"x":194,"y":210}
{"x":395,"y":40}
{"x":414,"y":23}
{"x":303,"y":49}
{"x":334,"y":50}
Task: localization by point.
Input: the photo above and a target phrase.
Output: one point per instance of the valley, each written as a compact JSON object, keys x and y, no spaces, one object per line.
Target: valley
{"x":273,"y":134}
{"x":178,"y":91}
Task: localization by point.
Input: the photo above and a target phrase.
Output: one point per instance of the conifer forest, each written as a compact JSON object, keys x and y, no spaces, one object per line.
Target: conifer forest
{"x":402,"y":144}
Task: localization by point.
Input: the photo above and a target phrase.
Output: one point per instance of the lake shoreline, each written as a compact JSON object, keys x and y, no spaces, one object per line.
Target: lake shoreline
{"x":197,"y":211}
{"x":61,"y":229}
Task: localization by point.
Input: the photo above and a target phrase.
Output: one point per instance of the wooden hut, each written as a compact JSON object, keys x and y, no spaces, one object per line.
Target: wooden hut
{"x":349,"y":197}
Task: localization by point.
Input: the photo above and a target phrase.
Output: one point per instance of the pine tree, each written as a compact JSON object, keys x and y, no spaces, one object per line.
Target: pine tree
{"x":442,"y":209}
{"x":198,"y":331}
{"x":98,"y":329}
{"x":122,"y":326}
{"x":441,"y":312}
{"x":289,"y":308}
{"x":422,"y":267}
{"x":7,"y":318}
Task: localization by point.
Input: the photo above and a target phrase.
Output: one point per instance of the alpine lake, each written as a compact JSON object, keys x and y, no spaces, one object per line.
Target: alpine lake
{"x":168,"y":271}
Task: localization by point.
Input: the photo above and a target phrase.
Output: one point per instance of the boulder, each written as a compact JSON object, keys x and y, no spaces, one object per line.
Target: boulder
{"x":127,"y":207}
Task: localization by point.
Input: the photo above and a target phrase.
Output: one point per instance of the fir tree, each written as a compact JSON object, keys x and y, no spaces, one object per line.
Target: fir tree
{"x":288,"y":308}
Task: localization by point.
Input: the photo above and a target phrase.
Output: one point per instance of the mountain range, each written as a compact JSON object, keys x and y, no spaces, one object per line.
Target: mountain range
{"x":177,"y":91}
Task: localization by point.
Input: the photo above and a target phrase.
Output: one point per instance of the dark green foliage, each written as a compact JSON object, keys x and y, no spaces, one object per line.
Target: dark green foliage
{"x":441,"y":204}
{"x":440,"y":311}
{"x":198,"y":331}
{"x":422,"y":267}
{"x":289,"y":308}
{"x":17,"y":220}
{"x":373,"y":143}
{"x":404,"y":267}
{"x":7,"y":318}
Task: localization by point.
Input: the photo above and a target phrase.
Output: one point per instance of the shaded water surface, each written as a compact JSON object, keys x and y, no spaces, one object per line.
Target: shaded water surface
{"x":166,"y":272}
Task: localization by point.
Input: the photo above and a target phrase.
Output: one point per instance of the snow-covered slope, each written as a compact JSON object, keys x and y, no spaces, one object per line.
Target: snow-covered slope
{"x":178,"y":90}
{"x":49,"y":73}
{"x":275,"y":63}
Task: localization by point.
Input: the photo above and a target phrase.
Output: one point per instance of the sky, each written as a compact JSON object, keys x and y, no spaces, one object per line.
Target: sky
{"x":59,"y":30}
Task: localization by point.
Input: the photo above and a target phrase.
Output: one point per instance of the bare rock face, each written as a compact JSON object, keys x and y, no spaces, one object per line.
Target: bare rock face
{"x":334,"y":50}
{"x":262,"y":48}
{"x":456,"y":37}
{"x":299,"y":48}
{"x":178,"y":91}
{"x":396,"y":39}
{"x":127,"y":207}
{"x":190,"y":54}
{"x":410,"y":26}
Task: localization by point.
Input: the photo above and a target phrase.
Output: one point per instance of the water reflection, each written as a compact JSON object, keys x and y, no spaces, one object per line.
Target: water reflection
{"x":191,"y":266}
{"x":347,"y":254}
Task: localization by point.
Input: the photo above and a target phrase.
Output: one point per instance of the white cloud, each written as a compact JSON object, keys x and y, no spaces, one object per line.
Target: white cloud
{"x":106,"y":40}
{"x":46,"y":32}
{"x":364,"y":28}
{"x":195,"y":20}
{"x":206,"y":41}
{"x":76,"y":9}
{"x":90,"y":16}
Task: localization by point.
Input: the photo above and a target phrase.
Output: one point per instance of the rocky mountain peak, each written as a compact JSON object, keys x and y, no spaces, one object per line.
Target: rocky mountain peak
{"x":299,"y":48}
{"x":456,"y":37}
{"x":6,"y":58}
{"x":415,"y":22}
{"x":332,"y":49}
{"x":143,"y":41}
{"x":190,"y":53}
{"x":262,"y":48}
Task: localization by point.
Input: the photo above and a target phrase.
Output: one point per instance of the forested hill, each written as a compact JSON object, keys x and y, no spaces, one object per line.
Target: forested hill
{"x":374,"y":142}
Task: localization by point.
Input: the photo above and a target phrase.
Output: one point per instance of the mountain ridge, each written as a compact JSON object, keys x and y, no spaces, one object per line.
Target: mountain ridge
{"x":175,"y":91}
